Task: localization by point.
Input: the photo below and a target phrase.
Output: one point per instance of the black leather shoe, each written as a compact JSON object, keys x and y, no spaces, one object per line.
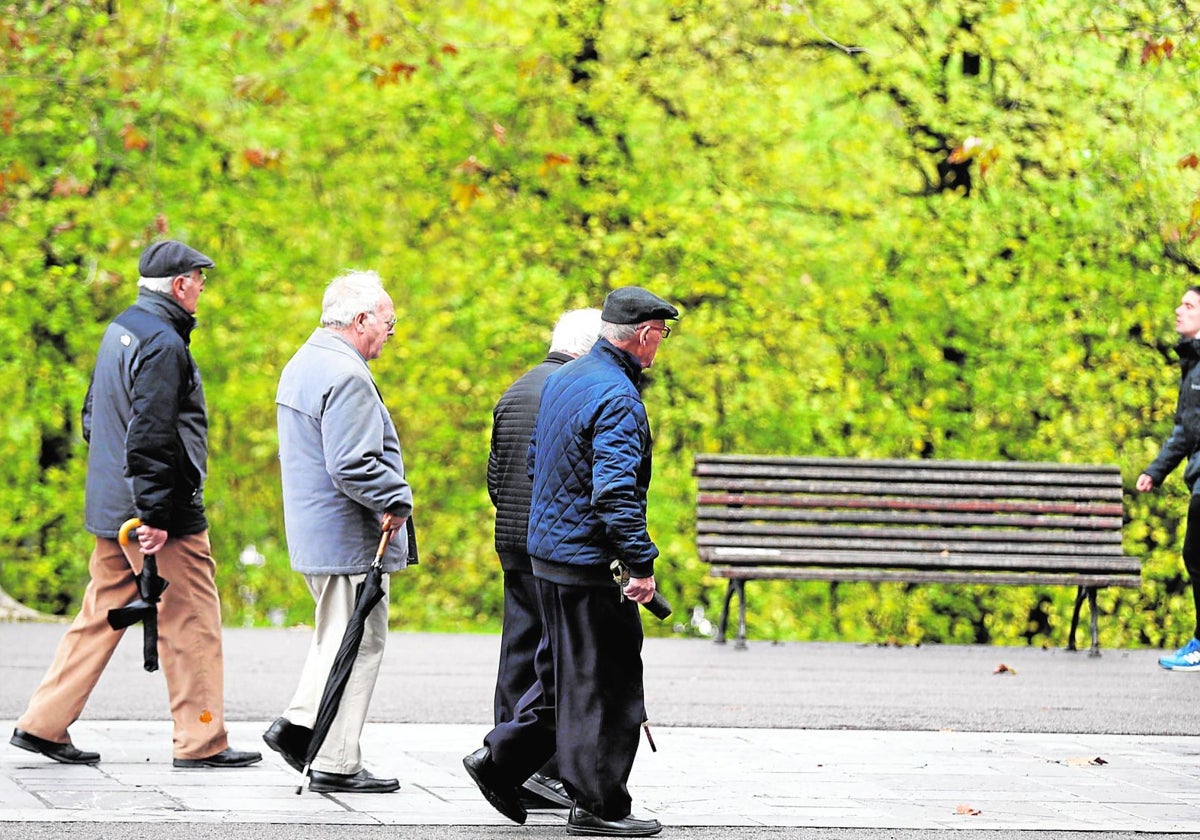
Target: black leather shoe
{"x":66,"y":753}
{"x":547,"y":792}
{"x":585,"y":823}
{"x":228,"y":757}
{"x":290,"y":741}
{"x":360,"y":782}
{"x":503,"y":796}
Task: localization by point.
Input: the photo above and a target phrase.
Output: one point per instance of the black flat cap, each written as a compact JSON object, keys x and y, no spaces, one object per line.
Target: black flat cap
{"x":633,"y":305}
{"x":170,"y":258}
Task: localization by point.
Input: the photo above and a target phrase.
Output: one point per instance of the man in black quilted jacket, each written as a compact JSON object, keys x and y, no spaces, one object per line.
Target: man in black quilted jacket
{"x":590,"y":463}
{"x":509,"y":486}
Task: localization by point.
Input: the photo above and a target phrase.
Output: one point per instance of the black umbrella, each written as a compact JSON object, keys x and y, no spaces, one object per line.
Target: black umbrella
{"x":366,"y":596}
{"x":144,"y":607}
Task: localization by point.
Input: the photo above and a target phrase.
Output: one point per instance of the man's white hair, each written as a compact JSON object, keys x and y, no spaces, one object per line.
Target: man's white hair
{"x":619,"y":332}
{"x":350,"y":295}
{"x":576,"y":332}
{"x":162,"y":285}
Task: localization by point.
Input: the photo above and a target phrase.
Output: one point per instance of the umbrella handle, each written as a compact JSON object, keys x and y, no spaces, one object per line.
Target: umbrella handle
{"x":127,"y":526}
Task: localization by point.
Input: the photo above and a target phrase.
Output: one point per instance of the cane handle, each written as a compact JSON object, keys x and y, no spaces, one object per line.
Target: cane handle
{"x":127,"y":526}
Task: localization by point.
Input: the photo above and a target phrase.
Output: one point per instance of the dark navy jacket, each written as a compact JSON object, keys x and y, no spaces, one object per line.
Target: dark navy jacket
{"x":146,"y":424}
{"x":590,"y":464}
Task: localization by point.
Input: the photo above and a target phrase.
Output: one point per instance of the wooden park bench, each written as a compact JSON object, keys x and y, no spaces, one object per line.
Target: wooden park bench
{"x":972,"y":522}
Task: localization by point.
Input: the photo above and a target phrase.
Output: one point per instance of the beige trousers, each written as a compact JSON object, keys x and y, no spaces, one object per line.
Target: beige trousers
{"x":334,"y":596}
{"x":189,"y":645}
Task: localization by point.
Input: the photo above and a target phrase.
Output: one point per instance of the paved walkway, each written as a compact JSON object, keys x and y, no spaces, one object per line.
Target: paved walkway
{"x":1102,"y":778}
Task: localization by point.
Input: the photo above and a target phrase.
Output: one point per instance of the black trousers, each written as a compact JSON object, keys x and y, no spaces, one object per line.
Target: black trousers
{"x":588,"y":704}
{"x":1191,"y":554}
{"x":520,"y":643}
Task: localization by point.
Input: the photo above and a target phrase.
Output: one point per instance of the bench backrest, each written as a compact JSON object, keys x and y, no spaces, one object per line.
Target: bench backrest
{"x":921,"y":514}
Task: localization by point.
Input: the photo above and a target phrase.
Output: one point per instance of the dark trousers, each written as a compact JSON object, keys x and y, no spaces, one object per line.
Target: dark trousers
{"x":588,"y":704}
{"x":520,"y":643}
{"x":1191,"y":554}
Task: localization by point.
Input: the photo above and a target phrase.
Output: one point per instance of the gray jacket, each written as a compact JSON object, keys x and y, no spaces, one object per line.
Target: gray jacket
{"x":340,"y":461}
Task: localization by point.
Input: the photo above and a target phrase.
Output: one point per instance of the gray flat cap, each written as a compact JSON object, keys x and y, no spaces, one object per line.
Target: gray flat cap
{"x":170,"y":258}
{"x":633,"y":305}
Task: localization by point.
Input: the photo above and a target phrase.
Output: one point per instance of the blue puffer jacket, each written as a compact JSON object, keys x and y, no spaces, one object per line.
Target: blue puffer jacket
{"x":590,"y":464}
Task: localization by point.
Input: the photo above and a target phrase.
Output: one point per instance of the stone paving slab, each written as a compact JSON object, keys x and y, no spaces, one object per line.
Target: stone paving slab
{"x":699,"y":777}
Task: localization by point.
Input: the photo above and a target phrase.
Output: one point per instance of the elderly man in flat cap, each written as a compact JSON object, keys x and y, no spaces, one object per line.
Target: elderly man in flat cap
{"x":590,"y":464}
{"x":146,"y":425}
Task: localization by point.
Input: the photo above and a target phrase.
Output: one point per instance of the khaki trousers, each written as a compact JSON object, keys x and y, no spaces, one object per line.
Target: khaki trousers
{"x":334,"y":596}
{"x":189,"y":645}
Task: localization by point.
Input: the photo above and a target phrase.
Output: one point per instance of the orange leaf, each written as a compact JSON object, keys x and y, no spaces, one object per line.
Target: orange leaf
{"x":134,"y":139}
{"x":968,"y":811}
{"x":498,"y":133}
{"x":378,"y":41}
{"x":470,"y":166}
{"x":449,"y":49}
{"x":1004,"y":669}
{"x":551,"y":162}
{"x":352,"y":23}
{"x":1189,"y":161}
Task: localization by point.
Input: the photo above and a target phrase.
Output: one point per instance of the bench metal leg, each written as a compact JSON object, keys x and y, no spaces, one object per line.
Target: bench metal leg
{"x":739,"y":587}
{"x":1088,"y":592}
{"x":724,"y":622}
{"x":740,"y":644}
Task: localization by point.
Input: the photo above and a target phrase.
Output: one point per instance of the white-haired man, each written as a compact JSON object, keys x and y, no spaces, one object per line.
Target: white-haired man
{"x":342,"y":473}
{"x":510,"y":487}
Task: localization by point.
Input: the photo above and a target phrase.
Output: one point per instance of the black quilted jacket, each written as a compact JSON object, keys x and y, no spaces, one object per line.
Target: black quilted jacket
{"x":507,"y":476}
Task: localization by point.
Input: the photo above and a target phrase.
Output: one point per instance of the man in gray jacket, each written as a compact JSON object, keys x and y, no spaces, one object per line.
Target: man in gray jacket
{"x":342,"y":471}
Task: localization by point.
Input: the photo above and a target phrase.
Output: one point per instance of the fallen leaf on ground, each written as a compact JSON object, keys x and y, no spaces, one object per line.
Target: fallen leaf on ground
{"x":967,"y":810}
{"x":1004,"y":669}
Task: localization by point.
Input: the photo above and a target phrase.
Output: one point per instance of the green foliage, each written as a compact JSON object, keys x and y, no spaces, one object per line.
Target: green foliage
{"x":947,"y":230}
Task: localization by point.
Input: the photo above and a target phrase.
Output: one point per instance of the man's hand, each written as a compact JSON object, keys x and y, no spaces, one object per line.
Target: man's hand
{"x":150,"y":539}
{"x":640,"y":590}
{"x":1144,"y":483}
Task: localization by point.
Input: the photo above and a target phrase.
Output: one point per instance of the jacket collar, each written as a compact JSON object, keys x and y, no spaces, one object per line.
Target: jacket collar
{"x":169,"y":310}
{"x":625,"y":361}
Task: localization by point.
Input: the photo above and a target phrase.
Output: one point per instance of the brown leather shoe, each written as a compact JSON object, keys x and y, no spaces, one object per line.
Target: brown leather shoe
{"x":65,"y":753}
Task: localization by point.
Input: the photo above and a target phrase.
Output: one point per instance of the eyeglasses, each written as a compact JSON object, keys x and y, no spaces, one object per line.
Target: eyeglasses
{"x":391,"y":322}
{"x":666,"y":331}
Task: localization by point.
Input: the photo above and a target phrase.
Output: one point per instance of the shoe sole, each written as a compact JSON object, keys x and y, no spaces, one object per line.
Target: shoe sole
{"x":1185,"y":668}
{"x":201,"y":764}
{"x":336,"y":789}
{"x":549,"y":794}
{"x":33,"y":748}
{"x":496,"y":802}
{"x":581,"y":831}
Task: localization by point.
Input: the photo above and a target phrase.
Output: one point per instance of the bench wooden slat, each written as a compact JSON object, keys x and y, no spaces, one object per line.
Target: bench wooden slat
{"x":981,"y":578}
{"x":932,"y":543}
{"x":933,"y":473}
{"x":719,"y":502}
{"x":713,"y":461}
{"x":918,"y":560}
{"x":911,"y":488}
{"x":942,"y":519}
{"x":719,"y":531}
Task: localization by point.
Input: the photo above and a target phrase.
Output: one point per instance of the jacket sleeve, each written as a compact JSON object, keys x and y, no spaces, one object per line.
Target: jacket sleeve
{"x":1176,"y":448}
{"x":151,"y":440}
{"x":621,"y":437}
{"x":493,"y":465}
{"x":352,"y":434}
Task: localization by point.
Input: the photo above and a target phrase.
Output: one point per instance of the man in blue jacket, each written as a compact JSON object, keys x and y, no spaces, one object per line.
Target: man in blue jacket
{"x":590,"y":462}
{"x":146,"y":424}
